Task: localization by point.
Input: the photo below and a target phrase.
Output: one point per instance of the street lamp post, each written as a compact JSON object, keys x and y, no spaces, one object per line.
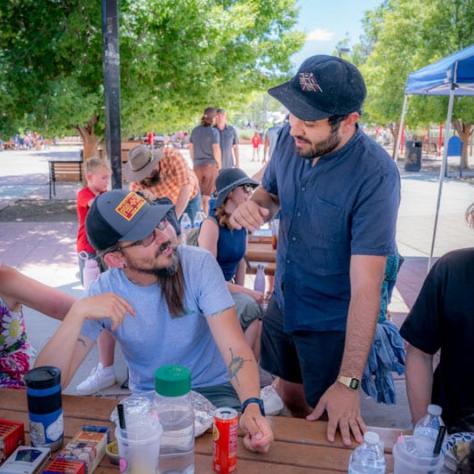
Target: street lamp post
{"x":112,"y":88}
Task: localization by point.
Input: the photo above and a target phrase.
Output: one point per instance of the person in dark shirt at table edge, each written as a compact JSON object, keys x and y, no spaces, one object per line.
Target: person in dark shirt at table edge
{"x":442,"y":318}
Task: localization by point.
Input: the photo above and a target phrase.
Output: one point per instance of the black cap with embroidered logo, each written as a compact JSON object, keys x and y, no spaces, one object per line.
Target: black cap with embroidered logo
{"x":120,"y":215}
{"x":323,"y":86}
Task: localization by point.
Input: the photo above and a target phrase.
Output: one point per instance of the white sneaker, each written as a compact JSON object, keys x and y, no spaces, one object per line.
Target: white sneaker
{"x":271,"y":401}
{"x":98,"y":379}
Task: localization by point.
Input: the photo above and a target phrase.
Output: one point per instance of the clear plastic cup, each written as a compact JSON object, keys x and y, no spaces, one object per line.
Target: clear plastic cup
{"x":407,"y":460}
{"x":139,"y":448}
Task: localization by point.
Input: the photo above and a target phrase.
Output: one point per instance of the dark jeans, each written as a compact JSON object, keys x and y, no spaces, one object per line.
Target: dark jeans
{"x":193,"y":207}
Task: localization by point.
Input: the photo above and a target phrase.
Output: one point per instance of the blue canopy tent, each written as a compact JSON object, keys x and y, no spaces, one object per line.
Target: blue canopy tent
{"x":451,"y":76}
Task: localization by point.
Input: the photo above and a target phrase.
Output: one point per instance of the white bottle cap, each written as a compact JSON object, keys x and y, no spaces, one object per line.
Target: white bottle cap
{"x":435,"y":410}
{"x":371,"y":437}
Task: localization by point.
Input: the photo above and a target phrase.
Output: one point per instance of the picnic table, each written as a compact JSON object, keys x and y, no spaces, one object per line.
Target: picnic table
{"x":260,"y":250}
{"x":300,"y":446}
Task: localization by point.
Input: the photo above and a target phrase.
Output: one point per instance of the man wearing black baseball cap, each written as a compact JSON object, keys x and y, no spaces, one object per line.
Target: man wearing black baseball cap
{"x":338,"y":194}
{"x":164,"y":304}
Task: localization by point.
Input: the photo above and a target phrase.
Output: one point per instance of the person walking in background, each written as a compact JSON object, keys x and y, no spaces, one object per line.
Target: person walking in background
{"x":229,"y":141}
{"x":205,"y":151}
{"x":256,"y":143}
{"x":338,"y":194}
{"x":162,"y":173}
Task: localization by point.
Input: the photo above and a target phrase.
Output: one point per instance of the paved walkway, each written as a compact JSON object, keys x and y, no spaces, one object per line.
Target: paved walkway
{"x":38,"y":237}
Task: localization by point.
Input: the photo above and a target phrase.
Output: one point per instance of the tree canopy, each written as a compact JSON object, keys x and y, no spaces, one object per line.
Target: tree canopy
{"x":401,"y":36}
{"x":176,"y":57}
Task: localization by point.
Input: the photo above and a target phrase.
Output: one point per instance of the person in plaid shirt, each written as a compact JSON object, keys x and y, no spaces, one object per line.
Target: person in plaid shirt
{"x":162,"y":172}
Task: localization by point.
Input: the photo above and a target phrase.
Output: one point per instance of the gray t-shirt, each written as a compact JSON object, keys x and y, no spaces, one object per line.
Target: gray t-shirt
{"x":202,"y":139}
{"x":228,"y":138}
{"x":153,"y":337}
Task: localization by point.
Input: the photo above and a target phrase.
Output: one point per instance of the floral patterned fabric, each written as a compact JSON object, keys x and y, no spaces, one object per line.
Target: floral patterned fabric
{"x":14,"y":348}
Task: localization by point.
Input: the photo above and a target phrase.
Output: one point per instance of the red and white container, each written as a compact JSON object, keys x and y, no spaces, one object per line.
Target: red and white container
{"x":225,"y":434}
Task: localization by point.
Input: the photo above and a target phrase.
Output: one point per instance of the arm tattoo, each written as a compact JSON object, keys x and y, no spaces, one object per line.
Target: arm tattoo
{"x":235,"y":364}
{"x":79,"y":339}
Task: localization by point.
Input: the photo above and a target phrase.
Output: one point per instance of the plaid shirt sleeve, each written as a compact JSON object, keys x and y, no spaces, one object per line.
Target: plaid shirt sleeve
{"x":181,"y":171}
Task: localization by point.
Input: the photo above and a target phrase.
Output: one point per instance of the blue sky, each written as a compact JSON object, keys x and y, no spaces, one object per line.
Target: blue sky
{"x":325,"y":22}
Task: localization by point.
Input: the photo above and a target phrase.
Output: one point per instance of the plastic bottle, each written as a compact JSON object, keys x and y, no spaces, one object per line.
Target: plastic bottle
{"x":200,"y":216}
{"x":91,"y":272}
{"x":259,"y":283}
{"x":368,"y":458}
{"x":186,"y":226}
{"x":429,"y":425}
{"x":176,"y":415}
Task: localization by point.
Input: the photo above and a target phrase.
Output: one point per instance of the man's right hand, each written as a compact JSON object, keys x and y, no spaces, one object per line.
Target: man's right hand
{"x":249,"y":215}
{"x":106,"y":305}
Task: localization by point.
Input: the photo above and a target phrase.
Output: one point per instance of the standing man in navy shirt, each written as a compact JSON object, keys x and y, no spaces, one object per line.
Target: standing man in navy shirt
{"x":338,"y":194}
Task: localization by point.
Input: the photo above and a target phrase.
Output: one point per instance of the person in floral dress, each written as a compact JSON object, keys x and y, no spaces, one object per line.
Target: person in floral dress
{"x":16,"y":290}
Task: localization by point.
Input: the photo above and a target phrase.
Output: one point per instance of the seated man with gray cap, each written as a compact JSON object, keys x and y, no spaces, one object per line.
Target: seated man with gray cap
{"x":165,"y":304}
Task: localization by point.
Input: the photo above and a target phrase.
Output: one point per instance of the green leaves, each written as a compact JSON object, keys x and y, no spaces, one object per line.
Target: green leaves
{"x":177,"y":56}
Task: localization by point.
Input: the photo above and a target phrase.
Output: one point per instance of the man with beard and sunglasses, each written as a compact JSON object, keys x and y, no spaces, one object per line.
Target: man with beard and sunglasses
{"x":338,"y":194}
{"x":164,"y":304}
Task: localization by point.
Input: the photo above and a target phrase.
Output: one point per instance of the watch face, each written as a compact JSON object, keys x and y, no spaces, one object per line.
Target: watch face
{"x":354,"y":384}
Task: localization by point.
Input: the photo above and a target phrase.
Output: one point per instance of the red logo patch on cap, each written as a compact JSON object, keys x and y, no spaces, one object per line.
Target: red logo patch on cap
{"x":130,"y":205}
{"x":308,"y":82}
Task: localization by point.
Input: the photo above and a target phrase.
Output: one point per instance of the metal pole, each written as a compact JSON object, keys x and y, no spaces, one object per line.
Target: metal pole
{"x":112,"y":88}
{"x":400,"y":128}
{"x":447,"y":133}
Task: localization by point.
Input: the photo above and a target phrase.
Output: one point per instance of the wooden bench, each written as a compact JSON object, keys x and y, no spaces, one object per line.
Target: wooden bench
{"x":64,"y":171}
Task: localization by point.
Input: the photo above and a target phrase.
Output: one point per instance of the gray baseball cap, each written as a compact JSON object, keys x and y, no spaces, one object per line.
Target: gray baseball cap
{"x":142,"y":160}
{"x":121,"y":215}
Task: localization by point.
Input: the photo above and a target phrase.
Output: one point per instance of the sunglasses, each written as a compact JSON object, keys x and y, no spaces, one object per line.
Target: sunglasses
{"x":248,"y":188}
{"x":148,"y":240}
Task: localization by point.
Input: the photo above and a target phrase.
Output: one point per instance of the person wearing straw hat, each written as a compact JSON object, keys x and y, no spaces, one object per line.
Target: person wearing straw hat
{"x":233,"y":187}
{"x":338,"y":194}
{"x":162,"y":172}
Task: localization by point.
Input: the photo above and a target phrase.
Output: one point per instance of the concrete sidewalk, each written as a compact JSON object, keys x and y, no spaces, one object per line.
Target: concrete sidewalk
{"x":38,"y":238}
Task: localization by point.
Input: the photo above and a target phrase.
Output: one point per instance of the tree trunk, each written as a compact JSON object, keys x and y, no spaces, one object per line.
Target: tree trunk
{"x":90,"y":142}
{"x":465,"y":133}
{"x":394,"y":127}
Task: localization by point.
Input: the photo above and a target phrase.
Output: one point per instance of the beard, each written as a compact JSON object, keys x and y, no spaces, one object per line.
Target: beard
{"x":160,"y":272}
{"x":321,"y":148}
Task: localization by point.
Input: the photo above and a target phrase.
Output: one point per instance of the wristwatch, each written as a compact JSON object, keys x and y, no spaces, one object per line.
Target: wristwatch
{"x":349,"y":382}
{"x":258,"y":401}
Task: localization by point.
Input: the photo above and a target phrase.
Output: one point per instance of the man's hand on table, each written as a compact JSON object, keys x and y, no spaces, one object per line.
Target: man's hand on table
{"x":342,"y":405}
{"x":249,"y":215}
{"x":258,"y":433}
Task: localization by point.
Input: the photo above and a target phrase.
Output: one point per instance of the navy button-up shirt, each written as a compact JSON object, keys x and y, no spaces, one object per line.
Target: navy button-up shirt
{"x":345,"y":205}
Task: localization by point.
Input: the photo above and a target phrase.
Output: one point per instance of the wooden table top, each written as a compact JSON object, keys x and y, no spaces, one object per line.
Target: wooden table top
{"x":260,"y":250}
{"x":300,"y":446}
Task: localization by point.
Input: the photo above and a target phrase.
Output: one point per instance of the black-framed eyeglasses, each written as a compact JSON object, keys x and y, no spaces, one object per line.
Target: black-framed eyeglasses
{"x":148,"y":240}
